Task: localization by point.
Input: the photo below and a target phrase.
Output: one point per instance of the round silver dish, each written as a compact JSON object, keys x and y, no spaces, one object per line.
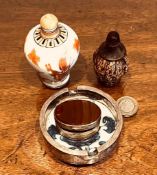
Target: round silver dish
{"x":93,"y":149}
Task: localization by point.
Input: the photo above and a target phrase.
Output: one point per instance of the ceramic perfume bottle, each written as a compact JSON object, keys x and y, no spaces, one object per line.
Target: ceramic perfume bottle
{"x":52,"y":48}
{"x":110,"y":60}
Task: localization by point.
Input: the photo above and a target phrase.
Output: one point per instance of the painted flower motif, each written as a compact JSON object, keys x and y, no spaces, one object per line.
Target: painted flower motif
{"x":49,"y":69}
{"x":63,"y":66}
{"x":57,"y":75}
{"x":76,"y":44}
{"x":33,"y":57}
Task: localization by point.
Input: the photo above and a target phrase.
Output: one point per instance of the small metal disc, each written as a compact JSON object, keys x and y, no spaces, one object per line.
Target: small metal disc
{"x":128,"y":106}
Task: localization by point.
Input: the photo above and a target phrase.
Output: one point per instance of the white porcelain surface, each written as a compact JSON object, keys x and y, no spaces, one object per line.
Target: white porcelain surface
{"x":55,"y":57}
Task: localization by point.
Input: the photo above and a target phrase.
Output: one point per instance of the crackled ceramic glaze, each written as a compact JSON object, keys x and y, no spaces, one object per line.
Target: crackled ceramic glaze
{"x":52,"y":48}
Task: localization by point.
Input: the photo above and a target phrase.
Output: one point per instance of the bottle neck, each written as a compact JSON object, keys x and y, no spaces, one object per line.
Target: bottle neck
{"x":50,"y":33}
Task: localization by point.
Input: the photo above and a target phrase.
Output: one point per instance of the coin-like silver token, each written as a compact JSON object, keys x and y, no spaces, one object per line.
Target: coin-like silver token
{"x":128,"y":106}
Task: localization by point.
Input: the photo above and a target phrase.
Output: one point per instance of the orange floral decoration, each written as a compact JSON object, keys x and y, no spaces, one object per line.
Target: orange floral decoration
{"x":33,"y":57}
{"x":49,"y":68}
{"x":54,"y":73}
{"x":76,"y":44}
{"x":63,"y":66}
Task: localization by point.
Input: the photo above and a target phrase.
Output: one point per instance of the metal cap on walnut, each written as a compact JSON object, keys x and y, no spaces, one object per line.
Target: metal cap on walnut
{"x":49,"y":22}
{"x":112,"y":48}
{"x":113,"y":39}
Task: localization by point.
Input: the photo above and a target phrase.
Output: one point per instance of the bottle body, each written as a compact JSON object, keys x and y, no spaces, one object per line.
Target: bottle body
{"x":52,"y":58}
{"x":109,"y":72}
{"x":110,"y":60}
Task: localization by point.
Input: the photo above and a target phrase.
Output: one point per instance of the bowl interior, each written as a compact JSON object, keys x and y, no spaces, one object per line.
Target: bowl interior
{"x":109,"y":127}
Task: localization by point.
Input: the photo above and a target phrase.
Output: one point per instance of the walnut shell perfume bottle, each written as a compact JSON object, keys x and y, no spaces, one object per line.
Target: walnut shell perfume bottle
{"x":110,"y":60}
{"x":52,"y":48}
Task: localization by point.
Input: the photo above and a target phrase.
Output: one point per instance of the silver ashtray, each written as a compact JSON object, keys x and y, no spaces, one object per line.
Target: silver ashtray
{"x":88,"y":135}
